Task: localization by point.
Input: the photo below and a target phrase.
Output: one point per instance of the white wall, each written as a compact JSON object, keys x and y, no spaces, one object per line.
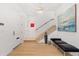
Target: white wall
{"x":13,"y":21}
{"x":70,"y":37}
{"x":39,"y":19}
{"x":31,"y":11}
{"x":29,"y":32}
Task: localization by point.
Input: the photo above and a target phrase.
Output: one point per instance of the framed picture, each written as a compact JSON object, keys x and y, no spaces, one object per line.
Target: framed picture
{"x":67,"y":20}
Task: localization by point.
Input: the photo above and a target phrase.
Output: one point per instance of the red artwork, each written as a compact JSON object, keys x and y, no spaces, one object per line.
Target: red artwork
{"x":32,"y":25}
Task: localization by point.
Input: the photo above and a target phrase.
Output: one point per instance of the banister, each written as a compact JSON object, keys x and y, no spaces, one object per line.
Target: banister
{"x":44,"y":24}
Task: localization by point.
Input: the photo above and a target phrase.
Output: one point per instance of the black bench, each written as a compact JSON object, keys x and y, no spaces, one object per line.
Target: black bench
{"x":64,"y":46}
{"x":68,"y":48}
{"x":59,"y":42}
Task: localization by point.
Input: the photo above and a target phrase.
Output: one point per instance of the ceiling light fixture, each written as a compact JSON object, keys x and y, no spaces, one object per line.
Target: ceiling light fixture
{"x":39,"y":10}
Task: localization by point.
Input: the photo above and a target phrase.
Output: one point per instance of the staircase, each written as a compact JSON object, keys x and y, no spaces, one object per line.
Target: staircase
{"x":51,"y":28}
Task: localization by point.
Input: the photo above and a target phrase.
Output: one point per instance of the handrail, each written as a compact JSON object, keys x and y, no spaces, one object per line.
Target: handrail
{"x":44,"y":24}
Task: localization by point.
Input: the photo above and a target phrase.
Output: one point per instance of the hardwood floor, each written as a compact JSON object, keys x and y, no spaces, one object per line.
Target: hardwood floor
{"x":32,"y":48}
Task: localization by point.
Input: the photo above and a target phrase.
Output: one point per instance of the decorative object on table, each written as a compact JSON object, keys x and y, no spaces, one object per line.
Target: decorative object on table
{"x":46,"y":38}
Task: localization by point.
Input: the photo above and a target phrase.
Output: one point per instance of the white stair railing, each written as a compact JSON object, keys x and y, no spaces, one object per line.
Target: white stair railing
{"x":46,"y":27}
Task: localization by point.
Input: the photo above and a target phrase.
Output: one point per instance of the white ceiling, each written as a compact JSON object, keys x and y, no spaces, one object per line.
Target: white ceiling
{"x":46,"y":6}
{"x":30,"y":8}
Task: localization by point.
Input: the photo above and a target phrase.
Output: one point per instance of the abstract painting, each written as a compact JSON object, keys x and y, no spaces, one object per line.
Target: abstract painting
{"x":67,"y":20}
